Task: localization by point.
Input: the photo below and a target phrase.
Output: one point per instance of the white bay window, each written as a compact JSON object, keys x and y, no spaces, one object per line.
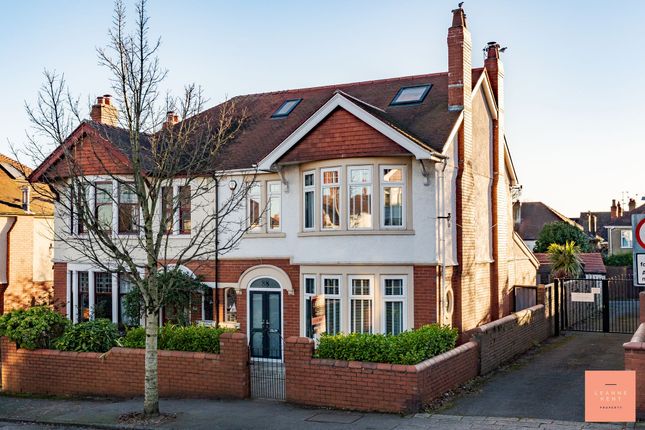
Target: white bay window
{"x":361,"y":305}
{"x":330,"y":201}
{"x":309,"y":201}
{"x":360,"y":196}
{"x":331,"y":290}
{"x":392,"y":196}
{"x":393,"y":304}
{"x":274,"y":198}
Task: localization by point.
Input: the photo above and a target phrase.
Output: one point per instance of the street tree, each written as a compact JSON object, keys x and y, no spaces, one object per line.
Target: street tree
{"x":155,"y":151}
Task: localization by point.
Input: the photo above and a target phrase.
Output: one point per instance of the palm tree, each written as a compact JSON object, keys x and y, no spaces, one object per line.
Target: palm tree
{"x":565,"y":260}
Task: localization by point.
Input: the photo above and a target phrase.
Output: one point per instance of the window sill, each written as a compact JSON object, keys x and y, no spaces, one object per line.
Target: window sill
{"x":356,"y":233}
{"x":261,"y":235}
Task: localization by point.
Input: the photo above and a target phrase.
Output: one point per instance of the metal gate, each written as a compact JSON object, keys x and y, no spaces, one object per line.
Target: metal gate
{"x":267,"y":376}
{"x":597,"y":305}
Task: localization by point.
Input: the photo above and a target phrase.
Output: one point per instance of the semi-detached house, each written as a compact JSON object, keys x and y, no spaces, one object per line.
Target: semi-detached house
{"x":391,"y":200}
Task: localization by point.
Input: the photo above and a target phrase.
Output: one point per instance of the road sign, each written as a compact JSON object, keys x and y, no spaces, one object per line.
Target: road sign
{"x":638,"y":233}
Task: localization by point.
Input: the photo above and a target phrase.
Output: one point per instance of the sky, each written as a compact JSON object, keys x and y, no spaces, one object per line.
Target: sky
{"x":574,"y":87}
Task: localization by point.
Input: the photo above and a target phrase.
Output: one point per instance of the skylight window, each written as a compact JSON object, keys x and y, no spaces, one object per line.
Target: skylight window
{"x":411,"y":95}
{"x":286,"y":108}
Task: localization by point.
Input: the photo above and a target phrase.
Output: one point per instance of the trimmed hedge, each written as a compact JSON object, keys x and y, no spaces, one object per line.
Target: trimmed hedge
{"x":410,"y":347}
{"x":623,"y":259}
{"x":90,"y":336}
{"x":33,"y":328}
{"x":177,"y":338}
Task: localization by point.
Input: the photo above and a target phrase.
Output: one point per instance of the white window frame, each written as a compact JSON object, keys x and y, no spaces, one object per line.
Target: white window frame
{"x":250,"y":193}
{"x":394,"y":298}
{"x":308,"y":189}
{"x":382,"y":185}
{"x":307,"y":296}
{"x":269,"y":205}
{"x":338,"y":185}
{"x":353,"y":297}
{"x":338,"y":296}
{"x":369,"y":184}
{"x":623,"y":237}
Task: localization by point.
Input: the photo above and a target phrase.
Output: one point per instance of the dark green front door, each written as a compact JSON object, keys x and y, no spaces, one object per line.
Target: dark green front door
{"x":265,"y":323}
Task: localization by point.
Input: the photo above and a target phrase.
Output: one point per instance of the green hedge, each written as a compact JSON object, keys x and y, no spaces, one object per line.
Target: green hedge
{"x":91,"y":336}
{"x":178,"y":338}
{"x":410,"y":347}
{"x":34,"y":328}
{"x":623,"y":259}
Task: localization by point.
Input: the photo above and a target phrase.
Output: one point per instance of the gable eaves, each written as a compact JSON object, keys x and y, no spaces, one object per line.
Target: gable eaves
{"x":418,"y":149}
{"x":483,"y":84}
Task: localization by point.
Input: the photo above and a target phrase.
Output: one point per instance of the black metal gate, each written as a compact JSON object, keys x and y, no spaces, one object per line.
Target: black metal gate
{"x":597,"y":305}
{"x":267,"y":376}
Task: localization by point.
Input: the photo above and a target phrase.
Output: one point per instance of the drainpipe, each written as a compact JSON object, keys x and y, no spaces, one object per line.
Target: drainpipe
{"x":216,"y":310}
{"x":445,"y":218}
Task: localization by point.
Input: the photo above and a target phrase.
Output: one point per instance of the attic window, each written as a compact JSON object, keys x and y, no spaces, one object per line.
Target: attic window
{"x":411,"y":95}
{"x":286,"y":108}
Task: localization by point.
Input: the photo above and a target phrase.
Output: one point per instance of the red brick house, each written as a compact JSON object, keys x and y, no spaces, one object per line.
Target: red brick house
{"x":392,"y":199}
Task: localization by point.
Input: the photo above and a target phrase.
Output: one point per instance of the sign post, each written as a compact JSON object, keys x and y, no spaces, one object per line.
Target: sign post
{"x":638,"y":232}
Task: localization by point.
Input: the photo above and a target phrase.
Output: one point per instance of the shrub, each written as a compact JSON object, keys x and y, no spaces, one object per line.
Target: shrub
{"x":410,"y":347}
{"x":561,"y":232}
{"x":91,"y":336}
{"x":624,"y":259}
{"x":36,"y":327}
{"x":178,"y":338}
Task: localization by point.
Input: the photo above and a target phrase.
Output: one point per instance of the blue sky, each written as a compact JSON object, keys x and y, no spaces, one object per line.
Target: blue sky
{"x":574,"y":91}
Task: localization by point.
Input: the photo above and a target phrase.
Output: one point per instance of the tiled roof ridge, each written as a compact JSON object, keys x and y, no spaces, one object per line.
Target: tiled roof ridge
{"x":349,"y":84}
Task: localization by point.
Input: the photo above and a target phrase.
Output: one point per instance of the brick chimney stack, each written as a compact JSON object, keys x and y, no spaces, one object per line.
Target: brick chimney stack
{"x":619,"y":210}
{"x":459,"y":62}
{"x":104,"y":111}
{"x":171,"y":119}
{"x":632,"y":204}
{"x":613,"y":212}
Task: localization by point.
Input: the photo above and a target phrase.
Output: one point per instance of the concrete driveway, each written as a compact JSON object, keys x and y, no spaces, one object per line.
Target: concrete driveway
{"x":547,"y":383}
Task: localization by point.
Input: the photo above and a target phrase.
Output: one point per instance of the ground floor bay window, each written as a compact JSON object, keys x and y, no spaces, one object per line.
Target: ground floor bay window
{"x":94,"y":294}
{"x":377,"y":302}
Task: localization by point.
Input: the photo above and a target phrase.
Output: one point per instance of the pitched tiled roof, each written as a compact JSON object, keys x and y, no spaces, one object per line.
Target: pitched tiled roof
{"x":591,"y":262}
{"x":429,"y":121}
{"x":626,"y":219}
{"x":535,"y":215}
{"x":11,"y":184}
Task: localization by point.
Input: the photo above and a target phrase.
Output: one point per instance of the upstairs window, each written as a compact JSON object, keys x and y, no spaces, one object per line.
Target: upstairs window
{"x":274,"y":196}
{"x":184,"y":210}
{"x":168,"y":213}
{"x":103,"y":205}
{"x":410,"y":95}
{"x":330,"y":190}
{"x":254,"y":205}
{"x":286,"y":108}
{"x":625,"y":238}
{"x":128,"y":209}
{"x":392,"y":196}
{"x":25,"y":198}
{"x":309,"y":198}
{"x":360,"y":197}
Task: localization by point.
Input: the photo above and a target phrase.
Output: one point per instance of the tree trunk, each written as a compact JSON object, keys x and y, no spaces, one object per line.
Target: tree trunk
{"x":151,"y":391}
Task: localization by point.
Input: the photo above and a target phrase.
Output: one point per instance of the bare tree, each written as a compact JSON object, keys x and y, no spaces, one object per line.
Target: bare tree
{"x":155,"y":154}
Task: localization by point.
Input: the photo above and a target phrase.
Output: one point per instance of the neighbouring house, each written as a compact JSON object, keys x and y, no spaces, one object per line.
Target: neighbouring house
{"x":531,"y":217}
{"x":26,"y":240}
{"x":389,"y":200}
{"x":593,"y":266}
{"x":619,"y":227}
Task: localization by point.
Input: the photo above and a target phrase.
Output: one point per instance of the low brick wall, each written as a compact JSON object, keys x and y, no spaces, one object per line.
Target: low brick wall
{"x":635,"y":360}
{"x":120,"y":371}
{"x":373,"y":386}
{"x":501,"y":340}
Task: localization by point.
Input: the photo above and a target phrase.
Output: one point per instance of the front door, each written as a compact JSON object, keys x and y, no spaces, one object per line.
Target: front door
{"x":265,"y":324}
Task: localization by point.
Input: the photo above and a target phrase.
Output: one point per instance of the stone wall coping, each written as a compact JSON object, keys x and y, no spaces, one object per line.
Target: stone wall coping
{"x":506,"y":320}
{"x":638,"y":339}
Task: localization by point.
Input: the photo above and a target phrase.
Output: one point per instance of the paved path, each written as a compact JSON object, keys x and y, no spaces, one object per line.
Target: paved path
{"x":548,"y":384}
{"x":242,"y":415}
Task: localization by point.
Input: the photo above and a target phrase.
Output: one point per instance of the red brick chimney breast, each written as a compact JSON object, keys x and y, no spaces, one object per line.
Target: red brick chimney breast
{"x":104,"y":111}
{"x":459,"y":61}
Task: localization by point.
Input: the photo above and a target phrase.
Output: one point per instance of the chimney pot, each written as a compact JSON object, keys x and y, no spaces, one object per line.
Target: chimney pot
{"x":104,"y":112}
{"x":171,"y":119}
{"x":632,"y":204}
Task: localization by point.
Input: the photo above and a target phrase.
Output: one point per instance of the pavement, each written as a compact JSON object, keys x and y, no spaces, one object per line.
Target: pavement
{"x":542,"y":390}
{"x":547,"y":383}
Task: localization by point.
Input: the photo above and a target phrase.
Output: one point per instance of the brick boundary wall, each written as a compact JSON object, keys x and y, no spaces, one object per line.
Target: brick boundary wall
{"x":634,"y":351}
{"x":120,"y":371}
{"x":501,"y":340}
{"x":373,"y":386}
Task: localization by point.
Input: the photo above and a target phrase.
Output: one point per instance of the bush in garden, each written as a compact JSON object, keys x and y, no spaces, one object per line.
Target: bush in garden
{"x":92,"y":336}
{"x":410,"y":347}
{"x":178,"y":338}
{"x":33,"y":328}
